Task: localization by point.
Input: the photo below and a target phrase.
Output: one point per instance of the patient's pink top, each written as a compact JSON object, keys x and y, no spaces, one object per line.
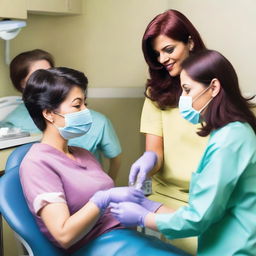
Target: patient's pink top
{"x":48,"y":175}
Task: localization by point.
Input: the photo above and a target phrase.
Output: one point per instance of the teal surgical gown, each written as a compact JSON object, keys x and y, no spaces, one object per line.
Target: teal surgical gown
{"x":222,"y":201}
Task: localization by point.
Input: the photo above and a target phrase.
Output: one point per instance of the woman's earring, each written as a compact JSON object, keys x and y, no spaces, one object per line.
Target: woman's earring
{"x":191,"y":43}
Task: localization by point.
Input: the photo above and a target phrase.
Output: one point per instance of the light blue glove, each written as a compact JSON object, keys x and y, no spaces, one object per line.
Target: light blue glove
{"x":142,"y":167}
{"x":129,"y":214}
{"x":119,"y":194}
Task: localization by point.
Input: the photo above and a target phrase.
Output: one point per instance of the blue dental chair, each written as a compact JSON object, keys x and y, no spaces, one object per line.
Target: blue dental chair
{"x":16,"y":156}
{"x":15,"y":211}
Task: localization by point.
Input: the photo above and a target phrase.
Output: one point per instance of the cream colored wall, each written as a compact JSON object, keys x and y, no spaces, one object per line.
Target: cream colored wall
{"x":229,"y":27}
{"x":5,"y":83}
{"x":125,"y":117}
{"x":104,"y":42}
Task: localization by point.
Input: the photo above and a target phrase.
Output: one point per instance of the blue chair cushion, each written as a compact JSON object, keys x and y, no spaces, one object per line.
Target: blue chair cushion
{"x":17,"y":156}
{"x":127,"y":242}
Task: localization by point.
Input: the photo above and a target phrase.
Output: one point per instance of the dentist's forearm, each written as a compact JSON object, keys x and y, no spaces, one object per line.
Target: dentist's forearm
{"x":150,"y":218}
{"x":150,"y":221}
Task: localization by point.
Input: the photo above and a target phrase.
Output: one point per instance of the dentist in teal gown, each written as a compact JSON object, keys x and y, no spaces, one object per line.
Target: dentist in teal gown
{"x":222,"y":196}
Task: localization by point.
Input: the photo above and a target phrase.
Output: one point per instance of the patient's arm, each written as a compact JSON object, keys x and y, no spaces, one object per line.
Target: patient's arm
{"x":65,"y":228}
{"x":68,"y":229}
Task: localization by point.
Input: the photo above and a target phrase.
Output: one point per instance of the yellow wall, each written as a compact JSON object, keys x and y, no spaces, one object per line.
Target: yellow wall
{"x":229,"y":27}
{"x":6,"y":87}
{"x":104,"y":42}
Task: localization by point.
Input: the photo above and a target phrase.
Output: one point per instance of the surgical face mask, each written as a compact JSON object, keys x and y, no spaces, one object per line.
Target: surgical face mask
{"x":76,"y":124}
{"x":186,"y":109}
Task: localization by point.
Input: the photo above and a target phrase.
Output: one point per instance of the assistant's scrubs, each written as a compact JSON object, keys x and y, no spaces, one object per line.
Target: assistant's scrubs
{"x":222,"y":201}
{"x":101,"y":139}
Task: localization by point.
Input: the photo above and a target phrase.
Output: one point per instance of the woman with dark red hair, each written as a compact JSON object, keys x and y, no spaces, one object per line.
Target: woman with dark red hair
{"x":222,"y":202}
{"x":169,"y":38}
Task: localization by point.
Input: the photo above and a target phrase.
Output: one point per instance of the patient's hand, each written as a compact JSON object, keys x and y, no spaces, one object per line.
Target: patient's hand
{"x":116,"y":195}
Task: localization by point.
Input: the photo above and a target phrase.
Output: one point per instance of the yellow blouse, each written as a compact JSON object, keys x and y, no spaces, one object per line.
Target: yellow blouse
{"x":183,"y":149}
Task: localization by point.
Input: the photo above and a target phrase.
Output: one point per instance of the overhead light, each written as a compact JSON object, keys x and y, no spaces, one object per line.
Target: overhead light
{"x":8,"y":30}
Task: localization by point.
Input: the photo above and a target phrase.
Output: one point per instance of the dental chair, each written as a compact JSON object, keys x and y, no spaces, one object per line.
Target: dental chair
{"x":15,"y":211}
{"x":16,"y":156}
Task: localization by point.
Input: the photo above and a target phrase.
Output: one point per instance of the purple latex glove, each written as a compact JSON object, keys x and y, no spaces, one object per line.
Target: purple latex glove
{"x":152,"y":206}
{"x":119,"y":194}
{"x":142,"y":167}
{"x":129,"y":214}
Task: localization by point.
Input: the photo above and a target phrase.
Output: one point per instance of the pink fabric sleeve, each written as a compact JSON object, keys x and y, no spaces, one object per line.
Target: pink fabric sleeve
{"x":40,"y":183}
{"x":47,"y":198}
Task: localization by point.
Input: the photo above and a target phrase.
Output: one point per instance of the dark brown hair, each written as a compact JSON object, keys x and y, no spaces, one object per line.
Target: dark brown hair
{"x":229,"y":105}
{"x":46,"y":89}
{"x":161,"y":87}
{"x":20,"y":65}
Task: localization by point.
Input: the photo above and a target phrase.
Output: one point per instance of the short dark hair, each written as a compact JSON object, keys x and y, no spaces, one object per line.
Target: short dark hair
{"x":164,"y":89}
{"x":47,"y":89}
{"x":229,"y":105}
{"x":20,"y":65}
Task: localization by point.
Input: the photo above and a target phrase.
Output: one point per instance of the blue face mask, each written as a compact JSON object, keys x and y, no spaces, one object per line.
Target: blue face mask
{"x":76,"y":124}
{"x":187,"y":111}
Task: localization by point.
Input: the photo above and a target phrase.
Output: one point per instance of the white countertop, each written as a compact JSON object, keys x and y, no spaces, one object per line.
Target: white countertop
{"x":19,"y":141}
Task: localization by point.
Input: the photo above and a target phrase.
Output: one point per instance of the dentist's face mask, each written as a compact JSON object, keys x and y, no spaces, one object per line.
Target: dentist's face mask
{"x":186,"y":109}
{"x":76,"y":124}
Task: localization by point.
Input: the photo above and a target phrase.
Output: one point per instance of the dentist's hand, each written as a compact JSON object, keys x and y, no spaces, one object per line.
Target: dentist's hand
{"x":119,"y":194}
{"x":129,"y":214}
{"x":142,"y":167}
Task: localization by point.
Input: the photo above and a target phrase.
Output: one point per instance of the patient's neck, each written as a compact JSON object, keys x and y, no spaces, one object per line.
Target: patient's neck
{"x":52,"y":137}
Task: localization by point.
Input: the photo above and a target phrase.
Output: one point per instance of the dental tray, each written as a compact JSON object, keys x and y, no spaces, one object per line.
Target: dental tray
{"x":8,"y":133}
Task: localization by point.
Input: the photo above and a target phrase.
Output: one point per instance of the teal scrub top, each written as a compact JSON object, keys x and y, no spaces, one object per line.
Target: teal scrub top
{"x":101,"y":138}
{"x":20,"y":118}
{"x":222,"y":196}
